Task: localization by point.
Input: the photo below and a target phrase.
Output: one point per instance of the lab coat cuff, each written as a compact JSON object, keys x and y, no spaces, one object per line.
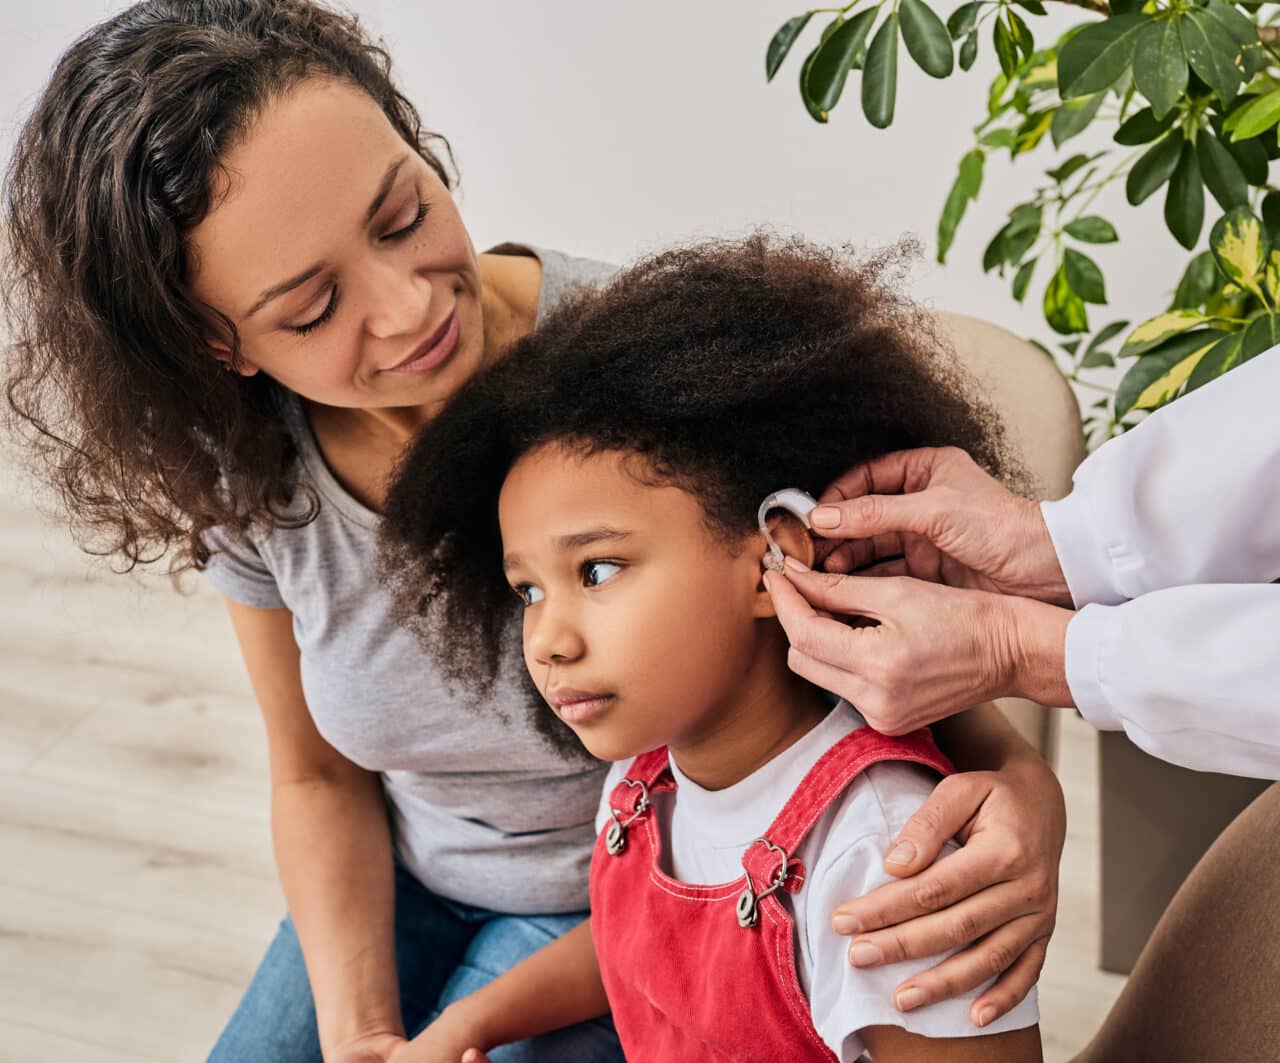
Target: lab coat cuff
{"x":1084,"y":557}
{"x":1089,"y":633}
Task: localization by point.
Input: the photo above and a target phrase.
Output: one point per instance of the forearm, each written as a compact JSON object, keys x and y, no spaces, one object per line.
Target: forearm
{"x":557,"y":986}
{"x":333,"y":850}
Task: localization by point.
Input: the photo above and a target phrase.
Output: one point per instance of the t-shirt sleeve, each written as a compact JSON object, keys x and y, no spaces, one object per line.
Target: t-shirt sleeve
{"x":845,"y":999}
{"x":237,"y":569}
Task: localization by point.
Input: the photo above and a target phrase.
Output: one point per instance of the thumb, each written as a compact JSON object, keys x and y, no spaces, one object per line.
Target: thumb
{"x":867,"y":516}
{"x":474,"y":1055}
{"x":944,"y":815}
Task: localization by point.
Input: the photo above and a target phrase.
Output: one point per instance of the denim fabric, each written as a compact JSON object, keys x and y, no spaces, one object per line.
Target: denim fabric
{"x":444,"y":950}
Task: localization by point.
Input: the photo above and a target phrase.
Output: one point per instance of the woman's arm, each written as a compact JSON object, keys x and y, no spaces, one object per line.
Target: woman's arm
{"x":998,"y":895}
{"x":892,"y":1044}
{"x":558,"y":985}
{"x":333,"y":851}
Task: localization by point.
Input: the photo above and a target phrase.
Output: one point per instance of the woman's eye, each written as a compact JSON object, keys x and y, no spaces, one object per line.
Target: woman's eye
{"x":412,"y":225}
{"x":324,"y":315}
{"x":528,"y":593}
{"x":595,"y":573}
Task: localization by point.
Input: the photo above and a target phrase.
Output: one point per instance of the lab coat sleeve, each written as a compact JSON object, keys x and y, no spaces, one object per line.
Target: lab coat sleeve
{"x":1190,"y":496}
{"x":1190,"y":674}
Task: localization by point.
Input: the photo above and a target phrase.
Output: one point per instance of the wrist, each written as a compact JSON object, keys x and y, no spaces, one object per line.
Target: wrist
{"x":1046,"y":581}
{"x":1035,"y":634}
{"x":478,"y":1021}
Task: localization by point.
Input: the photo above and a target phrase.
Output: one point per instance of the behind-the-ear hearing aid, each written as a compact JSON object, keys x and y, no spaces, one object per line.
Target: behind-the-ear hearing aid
{"x":796,"y":502}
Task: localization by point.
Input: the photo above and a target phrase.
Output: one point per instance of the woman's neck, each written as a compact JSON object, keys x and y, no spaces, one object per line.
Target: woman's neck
{"x":771,"y":711}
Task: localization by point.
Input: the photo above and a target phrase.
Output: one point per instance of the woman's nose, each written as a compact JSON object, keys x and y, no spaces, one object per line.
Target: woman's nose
{"x":399,"y":302}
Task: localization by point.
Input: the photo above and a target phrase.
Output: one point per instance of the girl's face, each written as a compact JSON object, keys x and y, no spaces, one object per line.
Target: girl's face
{"x":341,"y":257}
{"x":639,"y":625}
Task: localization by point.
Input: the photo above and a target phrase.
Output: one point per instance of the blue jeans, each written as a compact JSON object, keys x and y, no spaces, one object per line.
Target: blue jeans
{"x":444,"y":950}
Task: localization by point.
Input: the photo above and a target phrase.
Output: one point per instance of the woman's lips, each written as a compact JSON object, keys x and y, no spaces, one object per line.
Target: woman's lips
{"x":583,"y":710}
{"x":435,"y":351}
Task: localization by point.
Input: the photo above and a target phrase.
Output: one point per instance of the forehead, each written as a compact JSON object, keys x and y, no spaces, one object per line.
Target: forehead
{"x":553,"y":491}
{"x":306,"y":169}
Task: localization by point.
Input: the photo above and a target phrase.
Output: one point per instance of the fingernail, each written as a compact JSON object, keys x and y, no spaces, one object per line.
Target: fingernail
{"x":845,"y":924}
{"x":909,"y":998}
{"x":865,"y":954}
{"x":796,"y":566}
{"x":986,"y":1015}
{"x":902,"y":853}
{"x":825,"y":517}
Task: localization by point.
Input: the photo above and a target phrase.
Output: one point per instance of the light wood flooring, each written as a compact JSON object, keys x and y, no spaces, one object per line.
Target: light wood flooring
{"x":136,"y":882}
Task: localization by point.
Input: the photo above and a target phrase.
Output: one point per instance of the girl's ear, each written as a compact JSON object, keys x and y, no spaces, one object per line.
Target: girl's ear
{"x":794,"y":540}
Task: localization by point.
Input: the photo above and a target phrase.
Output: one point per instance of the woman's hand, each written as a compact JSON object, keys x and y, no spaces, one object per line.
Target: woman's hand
{"x":932,"y":652}
{"x":935,"y":515}
{"x":996,"y":899}
{"x":454,"y":1037}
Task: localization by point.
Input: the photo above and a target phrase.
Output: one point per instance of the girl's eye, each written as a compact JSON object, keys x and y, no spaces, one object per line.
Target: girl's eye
{"x":415,"y":223}
{"x":324,"y":316}
{"x":528,"y":593}
{"x":595,"y":573}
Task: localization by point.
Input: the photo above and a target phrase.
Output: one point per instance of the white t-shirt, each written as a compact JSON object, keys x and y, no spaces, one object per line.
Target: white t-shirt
{"x":705,"y":833}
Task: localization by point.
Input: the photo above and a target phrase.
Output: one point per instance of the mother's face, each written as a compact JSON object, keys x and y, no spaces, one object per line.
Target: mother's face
{"x":340,"y":256}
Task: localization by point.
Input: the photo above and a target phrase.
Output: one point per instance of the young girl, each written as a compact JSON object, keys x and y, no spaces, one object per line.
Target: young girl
{"x":609,"y":473}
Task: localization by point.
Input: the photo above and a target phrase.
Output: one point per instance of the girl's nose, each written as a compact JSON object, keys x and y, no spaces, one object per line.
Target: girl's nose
{"x":551,"y":639}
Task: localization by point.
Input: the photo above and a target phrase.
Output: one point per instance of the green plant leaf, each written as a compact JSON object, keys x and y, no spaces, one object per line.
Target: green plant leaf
{"x":1107,"y":332}
{"x":1221,"y":172}
{"x":1022,"y":278}
{"x":1142,"y":128}
{"x":1073,"y":117}
{"x":1095,"y":57}
{"x":962,"y":20}
{"x":1217,"y":360}
{"x":1006,"y":48}
{"x":1211,"y":53}
{"x":1241,"y":29}
{"x":1156,"y":377}
{"x":964,"y":190}
{"x":1097,"y":360}
{"x":1252,"y":159}
{"x":997,"y":138}
{"x":834,"y":60}
{"x":1021,"y":33}
{"x":1240,"y":245}
{"x":1032,"y":131}
{"x":1184,"y":202}
{"x":815,"y":112}
{"x":1092,"y":230}
{"x":1034,"y":6}
{"x":1262,"y":334}
{"x":782,"y":41}
{"x":880,"y":78}
{"x":926,"y":38}
{"x":1159,"y":67}
{"x":1199,"y":281}
{"x":1084,"y":276}
{"x":1154,"y":168}
{"x":1257,"y":117}
{"x":969,"y":51}
{"x":1159,"y":329}
{"x":1072,"y":165}
{"x":1271,"y":217}
{"x":1063,"y":309}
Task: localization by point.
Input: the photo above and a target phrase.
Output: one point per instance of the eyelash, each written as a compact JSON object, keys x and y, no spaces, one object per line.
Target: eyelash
{"x":332,"y":306}
{"x":520,"y":588}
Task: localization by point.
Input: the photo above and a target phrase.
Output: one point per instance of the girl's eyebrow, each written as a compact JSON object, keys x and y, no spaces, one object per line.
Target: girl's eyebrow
{"x":575,"y":541}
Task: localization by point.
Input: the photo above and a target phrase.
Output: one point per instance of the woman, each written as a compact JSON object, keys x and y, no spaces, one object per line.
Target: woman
{"x":240,"y":283}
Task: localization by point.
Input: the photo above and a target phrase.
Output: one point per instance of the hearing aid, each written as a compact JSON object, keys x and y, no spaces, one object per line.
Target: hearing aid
{"x":796,"y":502}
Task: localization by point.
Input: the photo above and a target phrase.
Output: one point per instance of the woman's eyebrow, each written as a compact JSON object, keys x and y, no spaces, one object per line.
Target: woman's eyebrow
{"x":575,"y":541}
{"x":380,"y":197}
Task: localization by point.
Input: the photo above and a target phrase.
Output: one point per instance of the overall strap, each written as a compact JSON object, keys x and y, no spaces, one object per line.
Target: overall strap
{"x":825,"y":782}
{"x":648,"y":774}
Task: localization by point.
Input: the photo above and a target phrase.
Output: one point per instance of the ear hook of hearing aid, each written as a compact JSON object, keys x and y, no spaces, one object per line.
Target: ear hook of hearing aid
{"x":796,"y":502}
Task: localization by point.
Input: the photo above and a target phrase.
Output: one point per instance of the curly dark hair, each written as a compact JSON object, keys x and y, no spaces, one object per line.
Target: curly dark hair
{"x":110,"y":375}
{"x":732,"y":368}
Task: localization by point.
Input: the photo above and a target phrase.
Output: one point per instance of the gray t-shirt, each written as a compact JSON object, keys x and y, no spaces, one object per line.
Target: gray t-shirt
{"x":483,"y":809}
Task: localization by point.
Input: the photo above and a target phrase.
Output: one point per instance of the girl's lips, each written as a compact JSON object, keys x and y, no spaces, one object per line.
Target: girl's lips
{"x":584,"y":711}
{"x":438,"y":352}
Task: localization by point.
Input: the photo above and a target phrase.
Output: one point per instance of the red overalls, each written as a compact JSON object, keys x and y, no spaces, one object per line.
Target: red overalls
{"x":707,"y":973}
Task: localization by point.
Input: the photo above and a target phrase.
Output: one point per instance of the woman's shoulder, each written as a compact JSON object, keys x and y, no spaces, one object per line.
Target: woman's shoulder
{"x":561,"y":274}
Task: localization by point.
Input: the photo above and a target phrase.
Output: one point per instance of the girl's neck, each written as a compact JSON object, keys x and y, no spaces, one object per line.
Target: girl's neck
{"x":772,"y":710}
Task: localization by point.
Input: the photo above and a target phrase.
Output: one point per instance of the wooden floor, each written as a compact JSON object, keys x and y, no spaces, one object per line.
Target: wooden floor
{"x":136,"y":883}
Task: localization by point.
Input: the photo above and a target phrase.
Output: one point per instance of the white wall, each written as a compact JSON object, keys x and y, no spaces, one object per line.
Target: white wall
{"x":609,"y":128}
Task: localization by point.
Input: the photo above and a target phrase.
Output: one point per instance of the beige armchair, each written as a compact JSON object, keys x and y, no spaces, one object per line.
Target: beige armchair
{"x":1042,"y":418}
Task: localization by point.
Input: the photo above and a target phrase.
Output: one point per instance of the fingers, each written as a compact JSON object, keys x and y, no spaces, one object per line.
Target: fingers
{"x":474,"y":1055}
{"x":890,"y":474}
{"x":842,"y":594}
{"x":953,"y":803}
{"x":966,"y":970}
{"x":1012,"y":986}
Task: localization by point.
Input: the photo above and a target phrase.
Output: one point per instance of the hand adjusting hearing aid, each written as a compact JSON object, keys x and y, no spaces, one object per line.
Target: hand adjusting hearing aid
{"x":796,"y":502}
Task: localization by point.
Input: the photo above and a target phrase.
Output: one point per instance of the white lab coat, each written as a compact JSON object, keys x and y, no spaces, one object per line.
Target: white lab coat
{"x":1169,"y":542}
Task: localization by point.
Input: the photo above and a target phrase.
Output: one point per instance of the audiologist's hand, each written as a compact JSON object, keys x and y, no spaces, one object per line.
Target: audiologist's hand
{"x":935,"y":515}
